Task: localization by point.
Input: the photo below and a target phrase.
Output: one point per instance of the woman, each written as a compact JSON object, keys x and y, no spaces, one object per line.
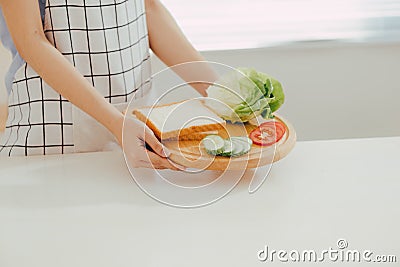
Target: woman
{"x":90,"y":56}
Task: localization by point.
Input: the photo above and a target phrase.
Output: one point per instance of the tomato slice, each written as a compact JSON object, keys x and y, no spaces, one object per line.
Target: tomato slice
{"x":268,"y":133}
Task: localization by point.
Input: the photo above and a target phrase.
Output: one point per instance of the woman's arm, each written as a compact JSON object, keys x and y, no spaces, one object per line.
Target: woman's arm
{"x":25,"y":26}
{"x":3,"y":109}
{"x":169,"y":43}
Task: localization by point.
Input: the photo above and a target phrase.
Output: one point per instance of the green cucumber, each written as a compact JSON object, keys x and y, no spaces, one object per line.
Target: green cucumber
{"x":242,"y":138}
{"x":241,"y":145}
{"x":238,"y":148}
{"x":231,"y":147}
{"x":214,"y":144}
{"x":227,"y":150}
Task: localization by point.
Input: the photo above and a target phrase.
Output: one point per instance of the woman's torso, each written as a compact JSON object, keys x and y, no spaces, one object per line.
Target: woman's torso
{"x":107,"y":42}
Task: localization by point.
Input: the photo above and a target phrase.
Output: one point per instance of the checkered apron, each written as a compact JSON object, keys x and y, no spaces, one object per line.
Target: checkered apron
{"x":107,"y":41}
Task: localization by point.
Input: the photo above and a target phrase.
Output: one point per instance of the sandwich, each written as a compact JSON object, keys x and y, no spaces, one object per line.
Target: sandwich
{"x":186,"y":120}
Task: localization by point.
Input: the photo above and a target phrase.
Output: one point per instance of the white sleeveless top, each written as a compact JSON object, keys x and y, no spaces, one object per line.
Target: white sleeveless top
{"x":107,"y":41}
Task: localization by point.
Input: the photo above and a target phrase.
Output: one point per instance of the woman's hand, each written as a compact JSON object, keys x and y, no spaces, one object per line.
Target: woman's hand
{"x":136,"y":135}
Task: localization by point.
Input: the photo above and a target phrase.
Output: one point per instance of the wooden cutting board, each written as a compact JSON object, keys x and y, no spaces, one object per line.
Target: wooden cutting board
{"x":192,"y":154}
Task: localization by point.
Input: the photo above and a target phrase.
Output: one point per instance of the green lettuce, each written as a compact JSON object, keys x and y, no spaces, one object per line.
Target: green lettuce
{"x":242,"y":95}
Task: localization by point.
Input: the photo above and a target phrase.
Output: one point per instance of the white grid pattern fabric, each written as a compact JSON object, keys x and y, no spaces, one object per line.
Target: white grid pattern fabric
{"x":107,"y":41}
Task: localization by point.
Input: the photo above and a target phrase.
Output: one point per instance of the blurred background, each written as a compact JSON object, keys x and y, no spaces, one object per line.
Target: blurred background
{"x":238,"y":24}
{"x":338,"y":60}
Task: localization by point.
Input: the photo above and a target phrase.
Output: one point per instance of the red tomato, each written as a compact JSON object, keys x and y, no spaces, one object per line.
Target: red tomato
{"x":268,"y":133}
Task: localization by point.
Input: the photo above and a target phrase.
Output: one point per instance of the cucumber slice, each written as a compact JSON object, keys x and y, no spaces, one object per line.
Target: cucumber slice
{"x":231,"y":147}
{"x":241,"y":146}
{"x":227,"y":149}
{"x":245,"y":141}
{"x":246,"y":149}
{"x":242,"y":138}
{"x":214,"y":144}
{"x":238,"y":148}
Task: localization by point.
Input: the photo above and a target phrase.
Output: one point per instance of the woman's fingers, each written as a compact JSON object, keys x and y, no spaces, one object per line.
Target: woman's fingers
{"x":153,"y":142}
{"x":139,"y":156}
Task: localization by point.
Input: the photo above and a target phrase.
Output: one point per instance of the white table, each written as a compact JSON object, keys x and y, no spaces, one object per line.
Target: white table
{"x":85,"y":210}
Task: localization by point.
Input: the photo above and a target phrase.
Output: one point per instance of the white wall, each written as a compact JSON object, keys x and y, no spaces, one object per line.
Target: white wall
{"x":332,"y":90}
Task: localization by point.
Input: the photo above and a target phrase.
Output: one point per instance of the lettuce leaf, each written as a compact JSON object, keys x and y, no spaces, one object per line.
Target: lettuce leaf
{"x":244,"y":94}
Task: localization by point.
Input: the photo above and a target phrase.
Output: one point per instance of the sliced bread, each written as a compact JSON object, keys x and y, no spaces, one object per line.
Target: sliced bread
{"x":186,"y":120}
